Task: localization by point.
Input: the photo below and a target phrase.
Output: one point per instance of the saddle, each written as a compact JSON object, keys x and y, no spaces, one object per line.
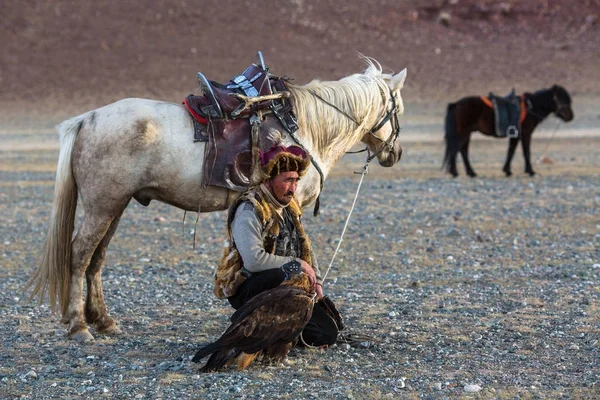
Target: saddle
{"x":236,"y":117}
{"x":508,"y":113}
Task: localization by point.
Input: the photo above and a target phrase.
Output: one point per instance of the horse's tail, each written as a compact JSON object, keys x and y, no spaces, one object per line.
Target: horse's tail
{"x":451,"y":135}
{"x":54,"y":268}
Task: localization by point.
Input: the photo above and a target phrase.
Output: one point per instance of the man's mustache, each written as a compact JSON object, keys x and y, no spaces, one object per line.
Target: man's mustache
{"x":289,"y":194}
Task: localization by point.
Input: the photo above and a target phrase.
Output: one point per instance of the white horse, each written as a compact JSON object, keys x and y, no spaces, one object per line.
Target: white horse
{"x":142,"y":149}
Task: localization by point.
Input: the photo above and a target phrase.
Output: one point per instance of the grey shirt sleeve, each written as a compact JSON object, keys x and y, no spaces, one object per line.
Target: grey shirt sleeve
{"x":246,"y":230}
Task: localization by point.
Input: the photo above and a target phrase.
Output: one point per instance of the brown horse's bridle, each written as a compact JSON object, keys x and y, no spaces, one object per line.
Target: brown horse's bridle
{"x":559,"y":106}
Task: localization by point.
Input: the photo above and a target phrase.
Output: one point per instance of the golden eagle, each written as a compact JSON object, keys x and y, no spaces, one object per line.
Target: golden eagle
{"x":269,"y":324}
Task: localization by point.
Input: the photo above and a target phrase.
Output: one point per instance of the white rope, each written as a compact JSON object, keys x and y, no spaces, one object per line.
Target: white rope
{"x":362,"y":175}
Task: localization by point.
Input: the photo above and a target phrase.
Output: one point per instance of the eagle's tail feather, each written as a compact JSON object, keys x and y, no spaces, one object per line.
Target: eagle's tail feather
{"x":219,"y":359}
{"x":206,"y":350}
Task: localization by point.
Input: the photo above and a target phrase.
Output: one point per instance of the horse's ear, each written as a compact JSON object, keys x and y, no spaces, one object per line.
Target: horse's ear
{"x":398,"y":80}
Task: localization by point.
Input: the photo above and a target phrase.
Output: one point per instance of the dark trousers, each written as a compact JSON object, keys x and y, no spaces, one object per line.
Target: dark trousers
{"x":320,"y":330}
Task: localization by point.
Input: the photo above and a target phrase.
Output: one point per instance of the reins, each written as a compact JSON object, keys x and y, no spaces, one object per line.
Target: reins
{"x":559,"y":107}
{"x":334,"y":106}
{"x":365,"y":170}
{"x":559,"y":122}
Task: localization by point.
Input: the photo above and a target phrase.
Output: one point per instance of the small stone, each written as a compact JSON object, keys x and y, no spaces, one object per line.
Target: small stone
{"x":453,"y":232}
{"x":402,"y":382}
{"x":573,"y":347}
{"x":30,"y":374}
{"x":472,"y":388}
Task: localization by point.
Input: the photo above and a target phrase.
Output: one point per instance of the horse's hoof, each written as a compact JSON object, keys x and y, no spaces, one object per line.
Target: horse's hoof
{"x":81,"y":336}
{"x":473,"y":175}
{"x":508,"y":173}
{"x":531,"y":173}
{"x":110,"y":331}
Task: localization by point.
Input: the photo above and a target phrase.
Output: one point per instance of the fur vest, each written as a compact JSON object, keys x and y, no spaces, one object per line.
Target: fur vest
{"x":228,"y":277}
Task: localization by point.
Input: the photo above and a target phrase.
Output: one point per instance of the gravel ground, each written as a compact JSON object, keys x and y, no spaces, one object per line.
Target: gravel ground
{"x":469,"y":288}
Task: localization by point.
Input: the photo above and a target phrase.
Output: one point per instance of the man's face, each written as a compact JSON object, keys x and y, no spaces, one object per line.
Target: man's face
{"x":283,"y":186}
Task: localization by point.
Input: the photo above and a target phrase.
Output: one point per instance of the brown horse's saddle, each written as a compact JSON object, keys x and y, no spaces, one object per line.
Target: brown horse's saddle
{"x":236,"y":117}
{"x":507,"y":113}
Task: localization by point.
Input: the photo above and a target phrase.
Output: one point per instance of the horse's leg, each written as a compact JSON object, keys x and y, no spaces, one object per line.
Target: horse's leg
{"x":452,"y":138}
{"x":464,"y":151}
{"x":96,"y":312}
{"x":526,"y":144}
{"x":512,"y":145}
{"x":91,"y":232}
{"x":452,"y":169}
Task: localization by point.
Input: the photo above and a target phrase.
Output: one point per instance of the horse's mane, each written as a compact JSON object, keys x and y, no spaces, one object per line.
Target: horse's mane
{"x":361,"y":96}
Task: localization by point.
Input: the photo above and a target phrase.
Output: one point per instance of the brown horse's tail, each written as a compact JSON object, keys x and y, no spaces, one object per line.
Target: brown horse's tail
{"x":54,"y":268}
{"x":451,"y":136}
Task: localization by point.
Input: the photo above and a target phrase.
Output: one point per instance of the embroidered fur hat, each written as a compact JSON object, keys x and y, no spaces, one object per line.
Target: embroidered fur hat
{"x":280,"y":159}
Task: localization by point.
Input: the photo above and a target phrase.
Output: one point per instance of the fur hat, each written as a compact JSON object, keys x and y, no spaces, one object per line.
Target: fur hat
{"x":280,"y":159}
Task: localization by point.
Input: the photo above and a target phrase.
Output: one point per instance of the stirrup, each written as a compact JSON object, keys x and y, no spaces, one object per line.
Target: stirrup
{"x":206,"y":89}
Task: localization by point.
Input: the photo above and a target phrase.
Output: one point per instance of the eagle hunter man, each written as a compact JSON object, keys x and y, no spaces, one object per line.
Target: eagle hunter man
{"x":267,"y":242}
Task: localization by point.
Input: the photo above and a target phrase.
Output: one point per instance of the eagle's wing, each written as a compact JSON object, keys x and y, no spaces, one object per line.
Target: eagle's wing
{"x":276,"y":315}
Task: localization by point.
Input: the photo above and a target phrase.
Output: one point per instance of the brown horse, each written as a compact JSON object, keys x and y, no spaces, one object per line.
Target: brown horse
{"x":471,"y":114}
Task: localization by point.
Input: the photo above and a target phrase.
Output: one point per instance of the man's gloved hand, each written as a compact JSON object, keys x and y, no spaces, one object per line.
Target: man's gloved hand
{"x":291,"y":268}
{"x":295,"y":267}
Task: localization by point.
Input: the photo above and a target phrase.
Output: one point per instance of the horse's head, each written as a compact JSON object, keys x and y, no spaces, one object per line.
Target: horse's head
{"x":562,"y":103}
{"x":382,"y":138}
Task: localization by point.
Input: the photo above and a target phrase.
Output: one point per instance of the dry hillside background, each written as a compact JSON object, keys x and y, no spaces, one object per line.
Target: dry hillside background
{"x":64,"y":57}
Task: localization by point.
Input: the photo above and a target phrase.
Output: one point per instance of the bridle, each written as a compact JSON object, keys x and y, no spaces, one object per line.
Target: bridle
{"x":390,"y":115}
{"x":559,"y":106}
{"x":389,"y":143}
